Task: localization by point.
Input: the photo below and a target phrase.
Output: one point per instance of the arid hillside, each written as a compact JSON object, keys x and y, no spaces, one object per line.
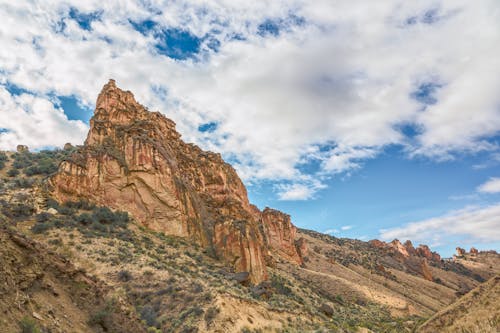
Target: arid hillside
{"x":139,"y":231}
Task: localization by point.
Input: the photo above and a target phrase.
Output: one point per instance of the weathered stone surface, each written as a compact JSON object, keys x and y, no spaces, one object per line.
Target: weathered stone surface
{"x":426,"y":271}
{"x":302,"y":248}
{"x":473,"y":250}
{"x":326,"y":309}
{"x":22,"y":148}
{"x":280,"y":234}
{"x":424,"y":251}
{"x":135,"y":160}
{"x":396,"y":244}
{"x":460,"y":252}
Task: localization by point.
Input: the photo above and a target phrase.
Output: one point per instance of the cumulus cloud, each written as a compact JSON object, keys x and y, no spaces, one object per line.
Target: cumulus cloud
{"x":474,"y":224}
{"x":491,"y":186}
{"x":33,"y":121}
{"x":288,"y":83}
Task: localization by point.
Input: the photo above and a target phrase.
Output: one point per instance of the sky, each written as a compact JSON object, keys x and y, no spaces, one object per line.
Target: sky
{"x":362,"y":119}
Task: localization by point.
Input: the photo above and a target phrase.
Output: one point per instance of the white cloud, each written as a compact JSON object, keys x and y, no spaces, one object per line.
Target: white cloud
{"x":475,"y":224}
{"x":491,"y":186}
{"x":33,"y":121}
{"x":331,"y":231}
{"x":298,"y":191}
{"x":332,"y":88}
{"x":346,"y":227}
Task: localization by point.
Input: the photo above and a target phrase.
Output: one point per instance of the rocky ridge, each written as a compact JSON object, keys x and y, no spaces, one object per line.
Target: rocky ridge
{"x":135,"y":160}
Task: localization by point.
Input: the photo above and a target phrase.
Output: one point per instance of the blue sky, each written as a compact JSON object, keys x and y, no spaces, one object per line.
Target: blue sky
{"x":366,"y":120}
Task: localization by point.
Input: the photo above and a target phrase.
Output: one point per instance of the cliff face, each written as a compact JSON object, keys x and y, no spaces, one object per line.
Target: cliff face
{"x":135,"y":160}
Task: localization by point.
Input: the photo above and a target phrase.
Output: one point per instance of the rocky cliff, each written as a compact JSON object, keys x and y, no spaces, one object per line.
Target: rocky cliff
{"x":135,"y":160}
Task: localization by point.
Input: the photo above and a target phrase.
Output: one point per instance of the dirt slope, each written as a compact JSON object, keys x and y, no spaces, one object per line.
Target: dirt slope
{"x":477,"y":311}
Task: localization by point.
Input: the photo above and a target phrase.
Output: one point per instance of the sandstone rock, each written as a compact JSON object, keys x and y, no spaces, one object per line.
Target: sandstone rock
{"x":241,"y":277}
{"x":409,"y":248}
{"x":68,"y":146}
{"x":22,"y":148}
{"x":280,"y":234}
{"x":426,"y":271}
{"x":302,"y":248}
{"x":460,"y":252}
{"x":396,"y":244}
{"x":326,"y":309}
{"x":378,"y":244}
{"x":52,"y":211}
{"x":473,"y":250}
{"x":424,"y":251}
{"x":135,"y":160}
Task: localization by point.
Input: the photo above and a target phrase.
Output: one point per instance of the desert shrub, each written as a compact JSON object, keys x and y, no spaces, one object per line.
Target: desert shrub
{"x":210,"y":314}
{"x":279,"y":284}
{"x":13,"y":173}
{"x":23,"y":182}
{"x":51,"y":203}
{"x":124,"y":276}
{"x":41,"y":228}
{"x":43,"y":217}
{"x":149,"y":315}
{"x":103,"y":316}
{"x":85,"y":219}
{"x":28,"y":325}
{"x":18,"y":210}
{"x":81,"y":205}
{"x":66,"y":211}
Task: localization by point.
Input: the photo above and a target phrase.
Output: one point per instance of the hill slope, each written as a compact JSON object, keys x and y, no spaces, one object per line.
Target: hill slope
{"x":137,"y":230}
{"x":477,"y":311}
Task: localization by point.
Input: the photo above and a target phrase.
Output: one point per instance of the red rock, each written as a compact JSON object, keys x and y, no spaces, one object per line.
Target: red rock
{"x":460,"y":252}
{"x":473,"y":250}
{"x":378,"y":244}
{"x":396,"y":245}
{"x":409,"y":248}
{"x":426,"y":271}
{"x":302,"y":248}
{"x":135,"y":160}
{"x":280,"y":234}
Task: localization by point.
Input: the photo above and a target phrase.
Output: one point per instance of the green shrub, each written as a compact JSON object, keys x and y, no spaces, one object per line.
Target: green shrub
{"x":28,"y":325}
{"x":40,"y":228}
{"x":43,"y":217}
{"x":13,"y":173}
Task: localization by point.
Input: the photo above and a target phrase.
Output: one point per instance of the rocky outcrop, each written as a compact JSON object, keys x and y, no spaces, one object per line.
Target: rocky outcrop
{"x":425,"y":270}
{"x":414,"y":260}
{"x":135,"y":160}
{"x":424,"y":251}
{"x":22,"y":148}
{"x":460,"y":252}
{"x":302,"y":248}
{"x":397,"y":246}
{"x":280,"y":235}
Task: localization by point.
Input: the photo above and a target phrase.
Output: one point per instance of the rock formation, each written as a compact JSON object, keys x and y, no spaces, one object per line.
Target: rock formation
{"x":460,"y":252}
{"x":135,"y":160}
{"x":22,"y":148}
{"x":280,"y":234}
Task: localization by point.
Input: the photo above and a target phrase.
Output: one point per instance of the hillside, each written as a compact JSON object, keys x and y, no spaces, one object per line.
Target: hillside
{"x":137,"y":230}
{"x":477,"y":311}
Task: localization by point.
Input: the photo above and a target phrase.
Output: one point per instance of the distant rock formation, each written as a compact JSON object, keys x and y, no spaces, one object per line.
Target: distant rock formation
{"x":460,"y":252}
{"x":135,"y":160}
{"x":415,"y":259}
{"x":22,"y":148}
